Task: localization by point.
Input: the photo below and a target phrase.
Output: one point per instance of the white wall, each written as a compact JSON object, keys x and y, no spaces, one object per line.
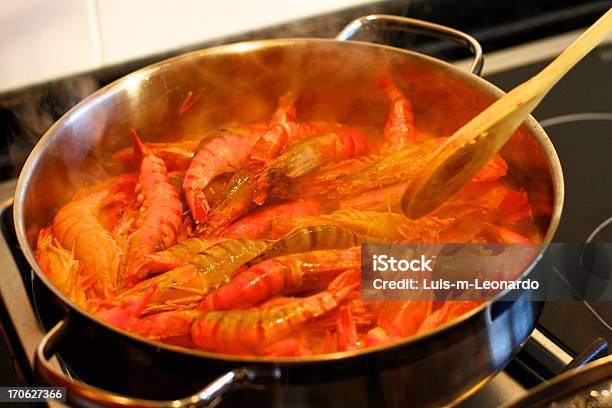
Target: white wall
{"x":46,"y":39}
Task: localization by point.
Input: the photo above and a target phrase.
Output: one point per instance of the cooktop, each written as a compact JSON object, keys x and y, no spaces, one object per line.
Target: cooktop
{"x":577,"y":116}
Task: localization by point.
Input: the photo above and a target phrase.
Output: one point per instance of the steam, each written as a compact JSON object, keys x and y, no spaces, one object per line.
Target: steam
{"x":33,"y":115}
{"x":30,"y":118}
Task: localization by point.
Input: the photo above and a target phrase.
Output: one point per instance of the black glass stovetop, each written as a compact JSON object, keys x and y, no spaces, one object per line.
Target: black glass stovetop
{"x":577,"y":116}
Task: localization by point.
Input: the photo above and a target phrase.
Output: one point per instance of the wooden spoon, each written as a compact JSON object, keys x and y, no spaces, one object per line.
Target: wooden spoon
{"x":469,"y":148}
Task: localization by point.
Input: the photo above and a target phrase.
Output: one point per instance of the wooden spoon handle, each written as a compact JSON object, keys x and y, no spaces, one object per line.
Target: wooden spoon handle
{"x":472,"y":146}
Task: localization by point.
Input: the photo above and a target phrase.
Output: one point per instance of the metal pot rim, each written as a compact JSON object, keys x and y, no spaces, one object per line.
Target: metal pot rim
{"x":249,"y":46}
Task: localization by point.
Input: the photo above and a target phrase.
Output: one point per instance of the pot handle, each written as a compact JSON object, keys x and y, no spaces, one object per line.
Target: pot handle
{"x":84,"y":395}
{"x":399,"y":23}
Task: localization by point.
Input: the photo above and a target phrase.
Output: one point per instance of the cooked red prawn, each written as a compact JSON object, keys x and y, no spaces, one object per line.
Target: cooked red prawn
{"x":326,"y":179}
{"x":160,"y":214}
{"x":239,"y":195}
{"x":259,"y":224}
{"x":119,"y":211}
{"x":282,"y":126}
{"x":396,"y":167}
{"x":240,"y":329}
{"x":77,"y":227}
{"x":381,"y":225}
{"x":283,"y":275}
{"x":310,"y":239}
{"x":312,"y":154}
{"x":188,"y":284}
{"x":177,"y":255}
{"x":235,"y":201}
{"x":246,"y":328}
{"x":220,"y":155}
{"x":346,"y":331}
{"x":243,"y":191}
{"x":399,"y":130}
{"x":397,"y":320}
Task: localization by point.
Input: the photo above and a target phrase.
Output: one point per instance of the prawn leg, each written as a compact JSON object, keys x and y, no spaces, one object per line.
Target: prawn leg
{"x":60,"y":266}
{"x":346,"y":331}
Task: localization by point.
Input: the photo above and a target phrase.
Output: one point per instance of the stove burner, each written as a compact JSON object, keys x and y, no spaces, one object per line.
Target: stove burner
{"x":584,"y":145}
{"x":602,"y":233}
{"x":575,"y":117}
{"x":597,"y":260}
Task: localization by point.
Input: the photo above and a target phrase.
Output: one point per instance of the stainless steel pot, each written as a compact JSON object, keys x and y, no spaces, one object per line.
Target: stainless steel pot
{"x":240,"y":82}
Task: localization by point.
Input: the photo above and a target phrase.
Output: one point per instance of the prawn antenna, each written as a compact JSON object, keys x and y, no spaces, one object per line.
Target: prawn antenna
{"x":140,"y":149}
